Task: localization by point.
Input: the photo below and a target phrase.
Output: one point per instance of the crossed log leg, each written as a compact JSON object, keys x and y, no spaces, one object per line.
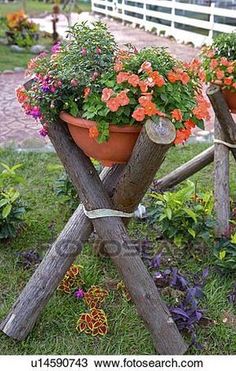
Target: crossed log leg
{"x":225,"y":130}
{"x":21,"y":319}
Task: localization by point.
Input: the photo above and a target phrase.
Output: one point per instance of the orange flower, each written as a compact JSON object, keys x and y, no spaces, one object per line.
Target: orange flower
{"x":210,"y":54}
{"x":143,"y":86}
{"x":144,"y":100}
{"x":172,"y":77}
{"x":139,"y":114}
{"x":228,"y":81}
{"x":157,"y":79}
{"x":113,"y":104}
{"x":230,"y":69}
{"x":122,"y":77}
{"x":118,"y":66}
{"x":123,"y":98}
{"x":213,"y":63}
{"x":150,"y":109}
{"x":189,"y":124}
{"x":184,"y":78}
{"x":220,"y":74}
{"x":133,"y":80}
{"x":224,"y":61}
{"x":201,"y":111}
{"x":146,"y":67}
{"x":21,"y":94}
{"x":86,"y":92}
{"x":182,"y":135}
{"x":93,"y":132}
{"x":176,"y":114}
{"x":106,"y":94}
{"x":202,"y":75}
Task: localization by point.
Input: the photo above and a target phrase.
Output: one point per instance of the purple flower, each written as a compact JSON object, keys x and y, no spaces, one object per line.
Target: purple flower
{"x":56,"y":48}
{"x":35,"y":112}
{"x":43,"y":132}
{"x":79,"y":294}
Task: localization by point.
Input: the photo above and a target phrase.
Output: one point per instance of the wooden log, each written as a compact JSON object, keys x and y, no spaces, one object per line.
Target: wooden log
{"x":223,"y":115}
{"x":221,"y":184}
{"x":166,"y":337}
{"x":147,"y":158}
{"x":185,"y":171}
{"x":55,"y":264}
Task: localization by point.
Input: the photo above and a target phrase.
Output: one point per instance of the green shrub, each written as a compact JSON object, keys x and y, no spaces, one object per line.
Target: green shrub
{"x":12,"y":209}
{"x":66,"y":191}
{"x":183,"y":216}
{"x":225,"y":254}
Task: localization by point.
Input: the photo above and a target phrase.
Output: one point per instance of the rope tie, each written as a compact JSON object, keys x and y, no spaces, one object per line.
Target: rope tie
{"x":230,"y":145}
{"x":104,"y":213}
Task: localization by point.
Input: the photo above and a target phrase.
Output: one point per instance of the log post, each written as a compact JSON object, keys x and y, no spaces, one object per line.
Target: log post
{"x":184,"y":171}
{"x":225,"y":119}
{"x":221,"y":184}
{"x":167,"y":339}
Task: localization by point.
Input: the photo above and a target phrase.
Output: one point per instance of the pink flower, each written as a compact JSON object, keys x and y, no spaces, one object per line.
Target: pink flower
{"x":74,"y":82}
{"x":43,"y":132}
{"x":79,"y":294}
{"x":98,"y":51}
{"x":56,"y":48}
{"x":84,"y":52}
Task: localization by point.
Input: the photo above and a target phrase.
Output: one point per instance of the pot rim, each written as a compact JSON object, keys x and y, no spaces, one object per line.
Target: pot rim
{"x":87,"y":124}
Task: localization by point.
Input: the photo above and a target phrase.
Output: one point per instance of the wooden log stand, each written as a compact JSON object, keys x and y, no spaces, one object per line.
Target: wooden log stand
{"x":120,"y":188}
{"x":146,"y":154}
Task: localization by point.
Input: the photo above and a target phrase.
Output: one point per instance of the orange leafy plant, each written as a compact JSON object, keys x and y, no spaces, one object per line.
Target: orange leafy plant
{"x":93,"y":323}
{"x":71,"y":280}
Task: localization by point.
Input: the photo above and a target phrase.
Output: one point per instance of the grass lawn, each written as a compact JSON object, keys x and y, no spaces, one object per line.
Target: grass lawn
{"x":9,"y":59}
{"x":55,"y":331}
{"x":35,"y":7}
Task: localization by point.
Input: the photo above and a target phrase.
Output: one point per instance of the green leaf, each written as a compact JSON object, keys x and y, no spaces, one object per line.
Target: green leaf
{"x":192,"y":232}
{"x":3,"y":202}
{"x":191,"y":213}
{"x":222,"y":254}
{"x":6,"y":211}
{"x":168,"y":212}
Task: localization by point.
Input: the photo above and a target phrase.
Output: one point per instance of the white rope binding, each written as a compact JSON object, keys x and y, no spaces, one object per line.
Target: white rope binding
{"x":104,"y":213}
{"x":230,"y":145}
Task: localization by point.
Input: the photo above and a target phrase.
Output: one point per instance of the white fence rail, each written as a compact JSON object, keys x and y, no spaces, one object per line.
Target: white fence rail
{"x":185,"y":21}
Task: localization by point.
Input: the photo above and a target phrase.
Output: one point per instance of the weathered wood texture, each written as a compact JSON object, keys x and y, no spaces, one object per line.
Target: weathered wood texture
{"x":223,"y":115}
{"x":185,"y":171}
{"x":48,"y":275}
{"x":166,"y":337}
{"x":221,"y":184}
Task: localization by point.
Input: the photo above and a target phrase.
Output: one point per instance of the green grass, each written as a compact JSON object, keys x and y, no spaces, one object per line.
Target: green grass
{"x":55,"y":331}
{"x":10,"y":60}
{"x":35,"y":7}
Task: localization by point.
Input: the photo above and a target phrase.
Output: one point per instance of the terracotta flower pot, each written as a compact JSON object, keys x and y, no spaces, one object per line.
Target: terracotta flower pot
{"x":117,"y":150}
{"x":230,"y":98}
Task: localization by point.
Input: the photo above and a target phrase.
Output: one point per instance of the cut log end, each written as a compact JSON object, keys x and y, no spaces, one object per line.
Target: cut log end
{"x":213,"y":89}
{"x":161,"y":131}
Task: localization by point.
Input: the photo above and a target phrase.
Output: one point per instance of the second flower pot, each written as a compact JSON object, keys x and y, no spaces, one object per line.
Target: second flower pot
{"x":118,"y":148}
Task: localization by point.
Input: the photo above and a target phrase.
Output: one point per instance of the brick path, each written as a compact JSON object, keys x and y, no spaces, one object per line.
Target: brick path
{"x":22,"y":132}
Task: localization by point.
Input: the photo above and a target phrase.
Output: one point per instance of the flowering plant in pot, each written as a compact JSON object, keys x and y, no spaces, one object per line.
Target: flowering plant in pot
{"x":21,"y":31}
{"x":105,"y":94}
{"x":219,"y":63}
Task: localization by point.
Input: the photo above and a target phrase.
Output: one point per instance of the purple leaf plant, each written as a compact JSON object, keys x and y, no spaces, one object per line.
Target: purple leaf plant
{"x":187,"y":313}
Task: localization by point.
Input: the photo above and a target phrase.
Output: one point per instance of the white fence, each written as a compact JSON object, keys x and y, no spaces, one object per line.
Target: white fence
{"x":184,"y":20}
